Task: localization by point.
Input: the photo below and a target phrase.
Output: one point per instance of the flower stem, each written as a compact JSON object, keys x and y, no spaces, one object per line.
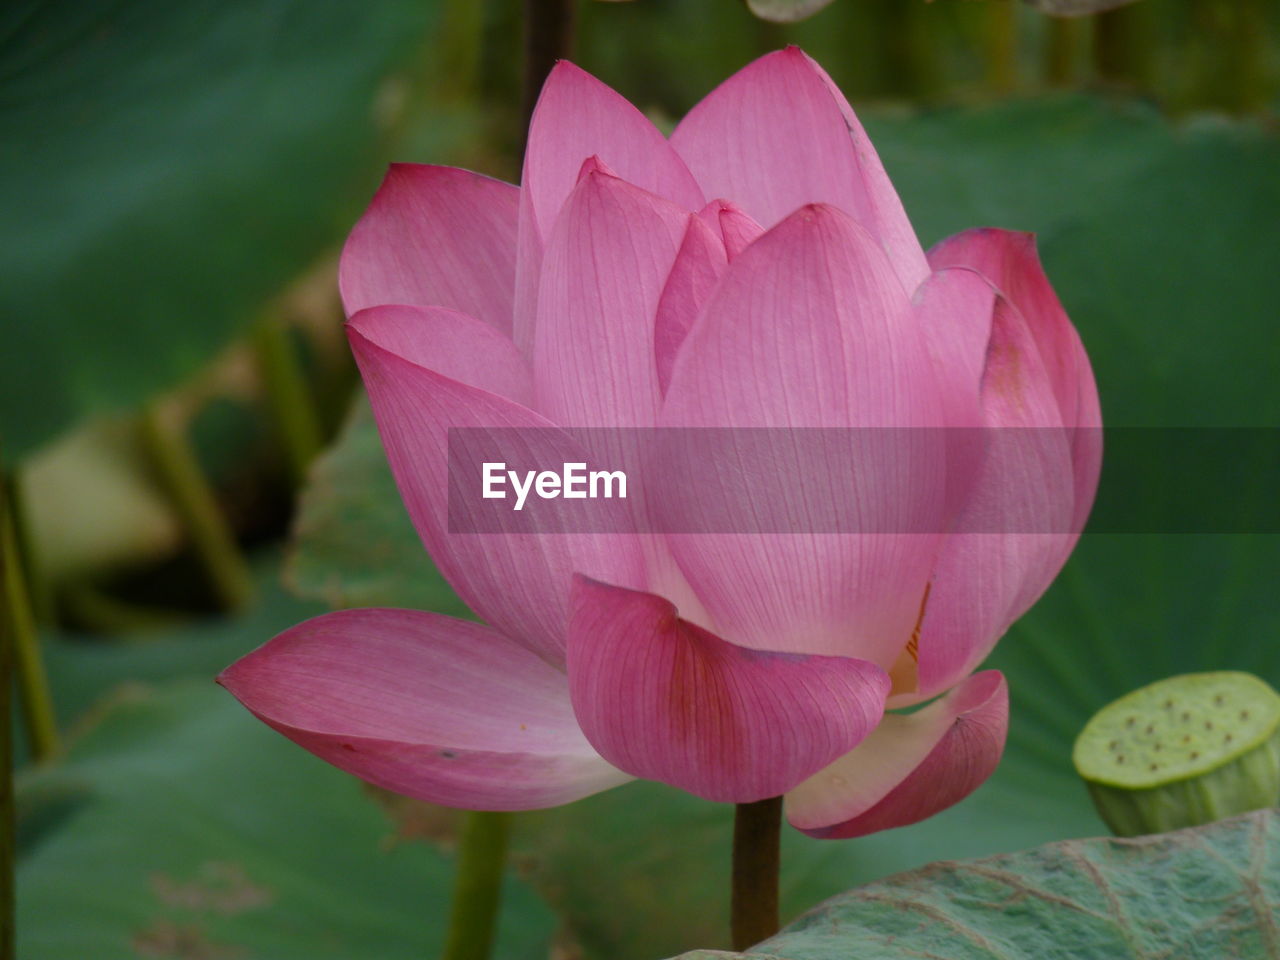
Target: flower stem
{"x":7,"y":819}
{"x":1002,"y":46}
{"x":477,"y":891}
{"x":22,"y":642}
{"x":288,"y":395}
{"x":1062,"y":47}
{"x":756,"y":858}
{"x":215,"y":544}
{"x":549,"y":27}
{"x":38,"y":590}
{"x":1122,"y":46}
{"x":461,"y":35}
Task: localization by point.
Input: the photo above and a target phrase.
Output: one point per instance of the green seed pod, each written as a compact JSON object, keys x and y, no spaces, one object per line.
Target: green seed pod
{"x":1183,"y":751}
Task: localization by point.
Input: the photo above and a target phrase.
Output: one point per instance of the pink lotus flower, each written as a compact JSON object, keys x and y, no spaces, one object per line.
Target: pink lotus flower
{"x":754,"y":270}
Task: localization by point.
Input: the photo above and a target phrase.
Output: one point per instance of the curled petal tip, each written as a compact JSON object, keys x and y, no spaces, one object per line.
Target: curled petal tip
{"x":912,"y":767}
{"x":593,"y":164}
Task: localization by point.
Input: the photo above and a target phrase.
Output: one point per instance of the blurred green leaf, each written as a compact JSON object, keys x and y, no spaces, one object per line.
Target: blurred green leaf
{"x":165,"y":168}
{"x":1161,"y":242}
{"x":189,"y":829}
{"x":353,"y":544}
{"x":1211,"y":891}
{"x":86,"y":668}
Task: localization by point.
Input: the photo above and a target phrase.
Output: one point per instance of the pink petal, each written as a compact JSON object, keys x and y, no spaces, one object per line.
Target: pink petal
{"x":454,"y":345}
{"x":517,"y":582}
{"x":697,"y":269}
{"x":608,"y":265}
{"x":603,"y":275}
{"x":428,"y":706}
{"x":578,"y":117}
{"x":808,"y":328}
{"x":1014,"y":533}
{"x":664,"y":699}
{"x":736,"y":229}
{"x":1010,"y":261}
{"x":435,"y":236}
{"x":912,"y":766}
{"x":778,"y":135}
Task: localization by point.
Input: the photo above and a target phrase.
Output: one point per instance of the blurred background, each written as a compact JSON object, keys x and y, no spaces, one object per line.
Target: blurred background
{"x":189,"y":465}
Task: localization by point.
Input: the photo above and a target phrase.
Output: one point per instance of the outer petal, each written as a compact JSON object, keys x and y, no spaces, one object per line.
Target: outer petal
{"x":435,"y":236}
{"x":777,"y":135}
{"x":1010,"y":261}
{"x":911,"y":767}
{"x":517,"y":582}
{"x":808,"y":329}
{"x":443,"y":710}
{"x":666,"y":700}
{"x":606,"y":266}
{"x":1014,"y":533}
{"x":452,"y":344}
{"x":578,"y":117}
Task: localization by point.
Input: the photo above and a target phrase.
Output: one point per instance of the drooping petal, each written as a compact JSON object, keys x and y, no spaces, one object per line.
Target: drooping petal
{"x":1009,"y":260}
{"x":578,"y":117}
{"x":517,"y":582}
{"x":435,"y":236}
{"x":697,"y":269}
{"x":606,"y":266}
{"x":666,"y":700}
{"x":1014,"y":532}
{"x":735,"y":227}
{"x":912,"y":766}
{"x":778,"y":135}
{"x":809,"y":328}
{"x":428,"y":706}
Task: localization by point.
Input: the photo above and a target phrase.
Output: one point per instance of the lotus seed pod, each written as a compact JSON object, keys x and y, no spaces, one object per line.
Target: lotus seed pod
{"x":1183,"y":751}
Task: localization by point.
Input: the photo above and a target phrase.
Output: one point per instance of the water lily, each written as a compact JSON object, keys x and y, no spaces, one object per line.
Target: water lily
{"x":755,"y":269}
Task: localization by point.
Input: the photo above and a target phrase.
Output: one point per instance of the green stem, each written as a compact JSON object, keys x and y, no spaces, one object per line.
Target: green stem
{"x":1229,"y":54}
{"x":757,"y":831}
{"x":8,"y":823}
{"x":549,"y":27}
{"x":1062,"y":49}
{"x":1122,"y":46}
{"x":38,"y":589}
{"x":459,"y":48}
{"x":289,"y":396}
{"x":211,"y":536}
{"x":477,"y":892}
{"x":907,"y":48}
{"x":21,"y":638}
{"x":1002,"y":46}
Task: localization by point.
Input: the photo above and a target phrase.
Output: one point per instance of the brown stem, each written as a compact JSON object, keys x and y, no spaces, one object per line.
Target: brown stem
{"x":548,"y":36}
{"x":756,"y":859}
